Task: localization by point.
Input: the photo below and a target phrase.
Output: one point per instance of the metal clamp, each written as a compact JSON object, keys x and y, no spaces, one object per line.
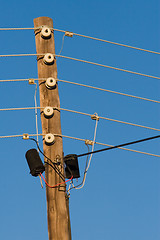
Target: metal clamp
{"x":58,"y":159}
{"x":95,"y":117}
{"x":69,"y":34}
{"x":88,"y":142}
{"x":31,"y":81}
{"x":25,"y":136}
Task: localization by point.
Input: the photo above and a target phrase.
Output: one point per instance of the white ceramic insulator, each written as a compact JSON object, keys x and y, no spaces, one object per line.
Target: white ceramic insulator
{"x":48,"y":112}
{"x":48,"y":58}
{"x":45,"y":32}
{"x":49,"y":139}
{"x":51,"y":83}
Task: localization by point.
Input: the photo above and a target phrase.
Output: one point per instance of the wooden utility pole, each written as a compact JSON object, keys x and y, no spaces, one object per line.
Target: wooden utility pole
{"x":57,"y":203}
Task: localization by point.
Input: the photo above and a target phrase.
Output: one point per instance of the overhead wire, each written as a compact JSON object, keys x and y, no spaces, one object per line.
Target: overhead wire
{"x":95,"y":87}
{"x":93,"y":142}
{"x":84,"y":61}
{"x":83,"y":140}
{"x":61,"y":46}
{"x":94,"y":64}
{"x":20,"y":108}
{"x":14,"y":80}
{"x":107,"y":66}
{"x":20,"y":135}
{"x":71,"y":185}
{"x":111,"y":119}
{"x":21,"y":55}
{"x":90,"y":37}
{"x":130,"y":150}
{"x":120,"y":145}
{"x":88,"y":86}
{"x":110,"y":42}
{"x":110,"y":91}
{"x":87,"y":114}
{"x":8,"y":29}
{"x":129,"y":123}
{"x":36,"y":115}
{"x":88,"y":162}
{"x":56,"y":185}
{"x":105,"y":144}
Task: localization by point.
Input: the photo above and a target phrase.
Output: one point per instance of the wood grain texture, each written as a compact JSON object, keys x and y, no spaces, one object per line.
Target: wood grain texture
{"x":57,"y":207}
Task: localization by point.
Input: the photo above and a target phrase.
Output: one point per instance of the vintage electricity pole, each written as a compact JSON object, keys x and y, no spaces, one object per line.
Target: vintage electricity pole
{"x":57,"y":203}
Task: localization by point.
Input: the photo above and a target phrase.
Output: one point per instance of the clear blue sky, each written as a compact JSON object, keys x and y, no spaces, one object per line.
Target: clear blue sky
{"x":121,"y":198}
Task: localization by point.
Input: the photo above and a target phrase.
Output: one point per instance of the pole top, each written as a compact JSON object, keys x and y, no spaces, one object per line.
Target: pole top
{"x":40,"y":21}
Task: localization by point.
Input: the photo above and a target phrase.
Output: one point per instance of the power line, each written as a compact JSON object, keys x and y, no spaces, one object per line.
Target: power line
{"x":111,"y":42}
{"x":14,"y":80}
{"x":36,"y":113}
{"x":8,"y":29}
{"x":107,"y":66}
{"x":83,"y":140}
{"x":127,"y":149}
{"x":61,"y":45}
{"x":21,"y":80}
{"x":23,"y":108}
{"x":120,"y":145}
{"x":87,"y":86}
{"x":110,"y":91}
{"x":86,"y":114}
{"x":88,"y":162}
{"x":104,"y":144}
{"x":21,"y":55}
{"x":89,"y":37}
{"x":20,"y":135}
{"x":128,"y":123}
{"x":111,"y":119}
{"x":84,"y":61}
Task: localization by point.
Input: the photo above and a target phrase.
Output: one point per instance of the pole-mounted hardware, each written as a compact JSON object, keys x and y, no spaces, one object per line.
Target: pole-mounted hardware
{"x":95,"y":117}
{"x":71,"y":166}
{"x":89,"y":142}
{"x":45,"y":32}
{"x":34,"y":162}
{"x":51,"y":83}
{"x":48,"y":112}
{"x":49,"y":139}
{"x":31,"y":81}
{"x":69,"y":34}
{"x":25,"y":136}
{"x":49,"y":58}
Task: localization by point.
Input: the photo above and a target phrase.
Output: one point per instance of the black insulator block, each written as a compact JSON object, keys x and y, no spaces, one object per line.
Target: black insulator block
{"x":72,"y":168}
{"x":34,"y":162}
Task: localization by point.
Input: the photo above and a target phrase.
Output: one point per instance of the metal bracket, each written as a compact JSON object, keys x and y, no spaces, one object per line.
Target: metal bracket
{"x":58,"y":159}
{"x":25,"y":136}
{"x":31,"y":81}
{"x":95,"y":117}
{"x":88,"y":142}
{"x":69,"y":34}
